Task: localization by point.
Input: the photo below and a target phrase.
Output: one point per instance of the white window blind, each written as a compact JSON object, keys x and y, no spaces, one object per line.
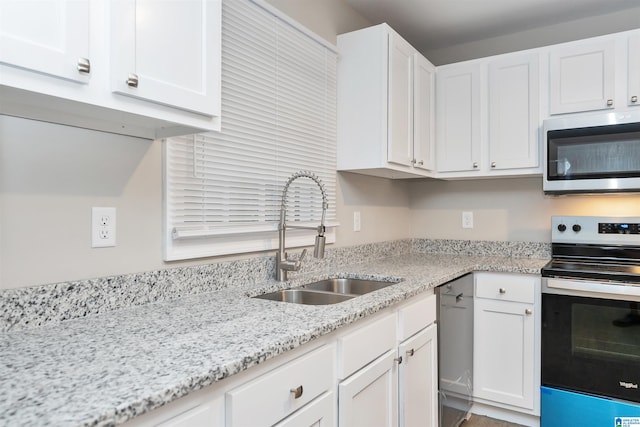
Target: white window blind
{"x":223,"y":190}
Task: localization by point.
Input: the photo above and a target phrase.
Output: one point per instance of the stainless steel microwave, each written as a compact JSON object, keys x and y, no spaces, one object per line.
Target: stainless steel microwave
{"x":594,"y":153}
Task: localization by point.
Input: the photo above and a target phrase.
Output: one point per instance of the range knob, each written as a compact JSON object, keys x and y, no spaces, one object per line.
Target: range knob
{"x":562,"y":228}
{"x":576,"y":227}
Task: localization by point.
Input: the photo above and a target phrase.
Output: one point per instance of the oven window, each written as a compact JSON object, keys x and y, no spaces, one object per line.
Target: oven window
{"x":606,"y":333}
{"x":591,"y":345}
{"x":597,"y":152}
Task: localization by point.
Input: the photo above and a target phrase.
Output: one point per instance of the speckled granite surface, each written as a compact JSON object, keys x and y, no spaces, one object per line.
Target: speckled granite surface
{"x":106,"y":368}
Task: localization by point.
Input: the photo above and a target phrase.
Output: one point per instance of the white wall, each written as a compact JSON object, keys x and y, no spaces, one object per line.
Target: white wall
{"x":506,"y":209}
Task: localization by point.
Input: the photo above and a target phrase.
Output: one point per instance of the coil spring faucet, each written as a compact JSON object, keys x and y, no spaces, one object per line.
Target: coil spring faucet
{"x":284,"y":264}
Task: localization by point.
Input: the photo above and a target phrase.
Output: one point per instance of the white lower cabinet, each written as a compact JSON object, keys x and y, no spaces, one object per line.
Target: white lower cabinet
{"x":370,"y":396}
{"x":507,"y":341}
{"x":418,"y":379}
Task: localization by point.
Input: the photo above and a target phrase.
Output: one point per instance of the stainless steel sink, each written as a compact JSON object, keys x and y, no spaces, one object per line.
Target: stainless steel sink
{"x":303,"y":296}
{"x":348,"y":286}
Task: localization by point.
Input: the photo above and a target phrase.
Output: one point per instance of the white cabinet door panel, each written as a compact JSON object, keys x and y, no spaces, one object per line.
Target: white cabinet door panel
{"x":514,"y":112}
{"x":370,"y":396}
{"x":418,"y":380}
{"x":400,"y":143}
{"x":633,"y":88}
{"x":51,"y":41}
{"x":457,"y":117}
{"x":582,"y":77}
{"x":504,"y":352}
{"x":170,"y":66}
{"x":423,"y":113}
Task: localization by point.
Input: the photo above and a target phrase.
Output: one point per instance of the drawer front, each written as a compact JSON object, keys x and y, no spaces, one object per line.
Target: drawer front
{"x":506,"y":287}
{"x":271,"y":397}
{"x":416,"y":316}
{"x":360,"y":347}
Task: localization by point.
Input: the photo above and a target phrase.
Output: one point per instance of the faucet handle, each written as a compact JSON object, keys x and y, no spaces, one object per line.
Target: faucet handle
{"x":302,"y":255}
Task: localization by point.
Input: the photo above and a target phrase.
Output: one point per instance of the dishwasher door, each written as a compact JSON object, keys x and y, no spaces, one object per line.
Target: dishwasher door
{"x":455,"y":350}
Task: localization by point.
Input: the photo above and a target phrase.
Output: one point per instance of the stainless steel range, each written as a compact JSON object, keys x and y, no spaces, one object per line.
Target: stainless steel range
{"x":591,"y":323}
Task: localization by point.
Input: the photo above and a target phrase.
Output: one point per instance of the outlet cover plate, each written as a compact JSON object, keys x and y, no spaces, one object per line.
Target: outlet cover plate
{"x":103,"y":227}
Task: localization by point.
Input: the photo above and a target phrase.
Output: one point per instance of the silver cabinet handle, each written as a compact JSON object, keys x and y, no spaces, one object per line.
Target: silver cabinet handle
{"x":410,"y":353}
{"x":84,"y":65}
{"x":475,"y":165}
{"x":132,"y":80}
{"x":459,"y":297}
{"x":399,"y":360}
{"x":297,"y":392}
{"x":493,"y":164}
{"x":502,"y":290}
{"x":609,"y":102}
{"x":528,"y":312}
{"x":421,"y":163}
{"x":634,"y":98}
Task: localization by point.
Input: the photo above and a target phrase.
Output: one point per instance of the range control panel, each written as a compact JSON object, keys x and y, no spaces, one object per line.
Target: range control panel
{"x":595,"y":230}
{"x":618,"y":228}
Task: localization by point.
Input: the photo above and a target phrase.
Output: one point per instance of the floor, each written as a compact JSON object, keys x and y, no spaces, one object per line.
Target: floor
{"x":482,"y":421}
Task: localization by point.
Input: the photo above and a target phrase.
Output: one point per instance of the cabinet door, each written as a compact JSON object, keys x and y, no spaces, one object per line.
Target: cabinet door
{"x":423,"y":113}
{"x":52,"y":40}
{"x":418,"y":379}
{"x":458,"y":118}
{"x":581,"y":77}
{"x":370,"y":396}
{"x":504,"y":352}
{"x":514,"y":112}
{"x":319,"y":413}
{"x":400,"y":108}
{"x":178,"y":68}
{"x":633,"y":85}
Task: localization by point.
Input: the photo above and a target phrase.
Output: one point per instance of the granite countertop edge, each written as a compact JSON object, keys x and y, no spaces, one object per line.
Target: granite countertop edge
{"x":140,"y":358}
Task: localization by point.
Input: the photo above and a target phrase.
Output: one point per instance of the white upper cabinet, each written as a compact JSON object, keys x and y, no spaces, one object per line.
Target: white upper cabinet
{"x":400,"y":143}
{"x":175,"y":68}
{"x":514,"y":112}
{"x":50,"y":37}
{"x":633,"y":70}
{"x":76,"y":62}
{"x":385,"y":105}
{"x":423,"y":113}
{"x":601,"y":73}
{"x":487,"y":117}
{"x":458,"y":117}
{"x":581,"y":76}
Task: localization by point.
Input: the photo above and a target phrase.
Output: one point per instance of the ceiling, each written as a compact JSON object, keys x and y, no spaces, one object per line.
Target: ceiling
{"x":431,"y":25}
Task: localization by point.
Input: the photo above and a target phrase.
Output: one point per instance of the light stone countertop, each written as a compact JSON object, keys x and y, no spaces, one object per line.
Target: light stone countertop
{"x":105,"y":369}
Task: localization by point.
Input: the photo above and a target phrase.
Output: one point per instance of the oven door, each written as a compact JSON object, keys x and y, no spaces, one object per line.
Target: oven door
{"x":591,"y":344}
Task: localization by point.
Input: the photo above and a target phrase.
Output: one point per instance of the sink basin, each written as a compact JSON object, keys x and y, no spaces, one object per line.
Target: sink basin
{"x":348,"y":286}
{"x":303,"y":296}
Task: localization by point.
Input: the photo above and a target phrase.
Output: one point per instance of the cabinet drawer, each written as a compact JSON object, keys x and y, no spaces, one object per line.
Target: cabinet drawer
{"x":363,"y":345}
{"x":416,"y":316}
{"x":271,"y":397}
{"x":506,"y":287}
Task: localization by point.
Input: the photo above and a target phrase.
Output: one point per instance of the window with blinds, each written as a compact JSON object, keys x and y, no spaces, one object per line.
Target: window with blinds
{"x":223,"y":190}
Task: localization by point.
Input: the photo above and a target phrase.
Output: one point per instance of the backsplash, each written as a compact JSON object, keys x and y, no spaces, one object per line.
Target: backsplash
{"x":40,"y":305}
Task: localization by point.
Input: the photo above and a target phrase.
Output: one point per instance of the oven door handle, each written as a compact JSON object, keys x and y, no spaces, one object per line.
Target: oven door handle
{"x":600,"y":288}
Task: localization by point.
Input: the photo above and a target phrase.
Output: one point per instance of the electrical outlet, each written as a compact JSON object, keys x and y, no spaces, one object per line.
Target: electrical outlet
{"x":103,"y":227}
{"x":356,"y":221}
{"x":467,"y":219}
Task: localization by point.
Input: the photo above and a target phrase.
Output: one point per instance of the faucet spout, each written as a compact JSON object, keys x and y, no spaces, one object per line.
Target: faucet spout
{"x":284,"y":264}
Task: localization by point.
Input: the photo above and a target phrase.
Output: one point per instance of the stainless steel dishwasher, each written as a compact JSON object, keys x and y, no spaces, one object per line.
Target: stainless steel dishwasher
{"x":455,"y":350}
